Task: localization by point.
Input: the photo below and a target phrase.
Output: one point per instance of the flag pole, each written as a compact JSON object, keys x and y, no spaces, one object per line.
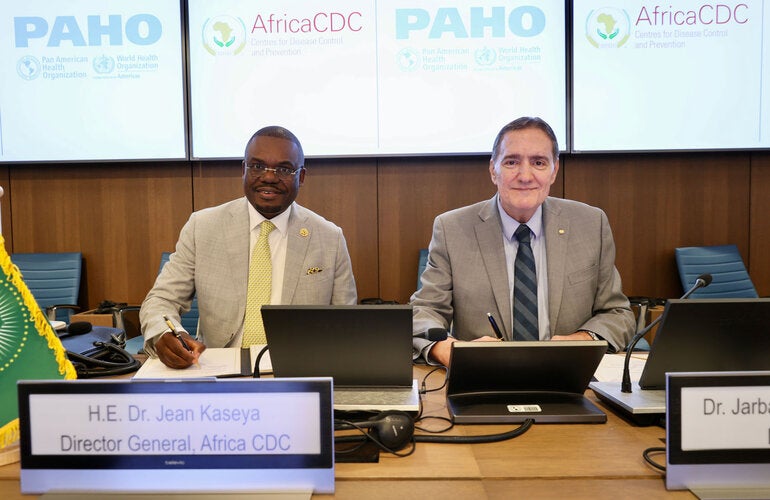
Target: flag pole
{"x":2,"y":192}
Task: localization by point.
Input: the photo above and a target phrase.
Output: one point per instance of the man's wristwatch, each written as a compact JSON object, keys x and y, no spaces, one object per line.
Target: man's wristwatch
{"x":593,"y":335}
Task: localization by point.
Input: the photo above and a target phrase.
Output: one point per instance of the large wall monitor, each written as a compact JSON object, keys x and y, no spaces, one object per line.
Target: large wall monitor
{"x":91,"y":80}
{"x":391,"y":77}
{"x":671,"y":76}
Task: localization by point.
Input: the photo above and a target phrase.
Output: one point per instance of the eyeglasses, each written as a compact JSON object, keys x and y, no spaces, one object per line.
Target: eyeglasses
{"x":257,"y":170}
{"x":512,"y":164}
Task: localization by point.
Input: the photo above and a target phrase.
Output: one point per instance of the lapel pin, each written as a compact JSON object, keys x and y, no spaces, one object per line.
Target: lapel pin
{"x":561,"y":231}
{"x":314,"y":270}
{"x":304,"y":232}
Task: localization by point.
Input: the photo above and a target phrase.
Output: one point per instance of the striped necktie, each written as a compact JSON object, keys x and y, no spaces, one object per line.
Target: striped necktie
{"x":260,"y":288}
{"x":524,"y":288}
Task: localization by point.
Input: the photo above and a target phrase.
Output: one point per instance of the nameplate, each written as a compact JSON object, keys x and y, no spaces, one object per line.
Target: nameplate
{"x":718,"y":430}
{"x":262,"y":435}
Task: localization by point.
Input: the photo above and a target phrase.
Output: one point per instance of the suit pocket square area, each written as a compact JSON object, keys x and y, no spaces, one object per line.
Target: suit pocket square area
{"x":313,"y":270}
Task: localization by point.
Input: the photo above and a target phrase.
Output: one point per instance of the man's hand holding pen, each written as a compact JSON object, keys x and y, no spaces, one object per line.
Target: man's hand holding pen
{"x":178,"y":349}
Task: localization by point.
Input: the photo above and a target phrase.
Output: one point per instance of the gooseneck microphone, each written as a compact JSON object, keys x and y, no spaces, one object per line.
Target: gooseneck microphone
{"x":432,"y":334}
{"x":703,"y":281}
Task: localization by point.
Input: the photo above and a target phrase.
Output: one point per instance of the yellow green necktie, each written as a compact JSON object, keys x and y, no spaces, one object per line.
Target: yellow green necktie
{"x":260,"y":288}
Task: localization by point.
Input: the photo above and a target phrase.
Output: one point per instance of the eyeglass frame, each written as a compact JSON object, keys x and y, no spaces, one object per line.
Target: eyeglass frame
{"x":252,"y":170}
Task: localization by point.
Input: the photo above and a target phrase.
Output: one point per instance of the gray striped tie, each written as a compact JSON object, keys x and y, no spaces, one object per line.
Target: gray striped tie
{"x":524,"y":289}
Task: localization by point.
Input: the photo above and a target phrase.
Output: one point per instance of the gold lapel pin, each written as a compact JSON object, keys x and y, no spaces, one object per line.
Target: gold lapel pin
{"x":314,"y":270}
{"x":304,"y":232}
{"x":561,"y":231}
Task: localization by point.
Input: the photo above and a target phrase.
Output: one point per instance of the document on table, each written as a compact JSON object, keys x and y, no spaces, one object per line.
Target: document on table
{"x":611,"y":367}
{"x":213,"y":362}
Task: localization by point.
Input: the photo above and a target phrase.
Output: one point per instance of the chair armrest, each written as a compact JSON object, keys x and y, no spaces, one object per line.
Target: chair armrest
{"x":50,"y":311}
{"x":127,"y":319}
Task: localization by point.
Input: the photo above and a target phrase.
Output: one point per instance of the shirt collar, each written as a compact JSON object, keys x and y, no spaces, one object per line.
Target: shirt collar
{"x":535,"y":223}
{"x":280,"y":221}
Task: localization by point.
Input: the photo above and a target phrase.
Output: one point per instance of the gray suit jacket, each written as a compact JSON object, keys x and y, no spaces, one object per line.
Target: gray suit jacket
{"x":212,"y":261}
{"x":466,"y":275}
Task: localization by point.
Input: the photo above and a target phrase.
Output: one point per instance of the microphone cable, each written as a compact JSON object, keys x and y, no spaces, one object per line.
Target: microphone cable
{"x":649,"y":451}
{"x":433,"y":436}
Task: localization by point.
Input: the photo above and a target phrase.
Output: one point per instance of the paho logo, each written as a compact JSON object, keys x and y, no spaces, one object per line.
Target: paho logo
{"x":608,"y":27}
{"x":140,"y":29}
{"x":224,"y":35}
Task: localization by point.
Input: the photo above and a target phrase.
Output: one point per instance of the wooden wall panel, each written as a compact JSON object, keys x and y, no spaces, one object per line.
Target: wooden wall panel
{"x":759,"y":250}
{"x":120,"y":216}
{"x":656,"y":203}
{"x":5,"y":207}
{"x":123,"y":215}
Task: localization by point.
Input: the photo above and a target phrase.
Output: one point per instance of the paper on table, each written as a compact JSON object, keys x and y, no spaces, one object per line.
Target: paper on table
{"x":213,"y":362}
{"x":611,"y":367}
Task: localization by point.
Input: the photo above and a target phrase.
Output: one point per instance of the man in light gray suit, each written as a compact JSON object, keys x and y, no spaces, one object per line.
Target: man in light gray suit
{"x":309,"y":255}
{"x":472,"y":257}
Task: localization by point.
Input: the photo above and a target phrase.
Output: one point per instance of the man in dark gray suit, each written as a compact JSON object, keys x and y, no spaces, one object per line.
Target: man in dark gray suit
{"x":473,"y":254}
{"x":309,"y":256}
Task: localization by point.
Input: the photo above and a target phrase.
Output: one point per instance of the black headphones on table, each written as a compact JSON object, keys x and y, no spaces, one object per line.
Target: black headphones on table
{"x":390,"y":430}
{"x":394,"y":430}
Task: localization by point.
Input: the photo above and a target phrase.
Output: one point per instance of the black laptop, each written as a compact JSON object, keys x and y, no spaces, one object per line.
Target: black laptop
{"x":695,"y":335}
{"x":366,"y":349}
{"x":502,"y":382}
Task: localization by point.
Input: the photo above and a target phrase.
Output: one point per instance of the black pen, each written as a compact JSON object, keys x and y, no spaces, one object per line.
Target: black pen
{"x":176,"y":333}
{"x":492,"y":322}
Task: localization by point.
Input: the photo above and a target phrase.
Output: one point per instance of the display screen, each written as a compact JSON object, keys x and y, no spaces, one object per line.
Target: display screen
{"x":108,"y":80}
{"x":685,"y":75}
{"x":91,"y":80}
{"x":356,"y":78}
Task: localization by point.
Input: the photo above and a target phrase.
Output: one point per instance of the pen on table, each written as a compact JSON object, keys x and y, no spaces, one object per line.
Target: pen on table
{"x":492,"y":322}
{"x":176,"y":333}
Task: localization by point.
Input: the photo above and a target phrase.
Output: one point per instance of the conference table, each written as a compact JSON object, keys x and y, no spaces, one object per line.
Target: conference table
{"x":547,"y":461}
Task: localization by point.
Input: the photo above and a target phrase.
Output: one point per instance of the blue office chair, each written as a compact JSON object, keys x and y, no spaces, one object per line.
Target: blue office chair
{"x":53,"y":279}
{"x":725,"y":265}
{"x":421,"y":265}
{"x":189,"y":320}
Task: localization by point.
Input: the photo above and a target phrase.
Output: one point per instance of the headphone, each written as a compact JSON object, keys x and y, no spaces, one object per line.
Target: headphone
{"x":390,"y":430}
{"x":106,"y":359}
{"x":113,"y":360}
{"x":394,"y":430}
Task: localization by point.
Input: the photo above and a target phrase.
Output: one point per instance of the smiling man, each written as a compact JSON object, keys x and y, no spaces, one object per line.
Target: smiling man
{"x":260,"y":249}
{"x":535,"y":267}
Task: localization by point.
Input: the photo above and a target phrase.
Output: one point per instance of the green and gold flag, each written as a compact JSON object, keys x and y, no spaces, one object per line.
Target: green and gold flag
{"x":29,"y":348}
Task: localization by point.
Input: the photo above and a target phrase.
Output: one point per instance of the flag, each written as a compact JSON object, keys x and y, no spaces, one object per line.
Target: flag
{"x":29,"y":348}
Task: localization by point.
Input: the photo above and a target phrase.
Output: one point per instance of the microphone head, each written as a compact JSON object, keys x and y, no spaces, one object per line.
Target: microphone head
{"x":436,"y":334}
{"x":705,"y":278}
{"x":79,"y":328}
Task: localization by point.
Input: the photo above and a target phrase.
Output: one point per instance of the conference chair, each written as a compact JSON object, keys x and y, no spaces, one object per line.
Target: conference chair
{"x":421,"y":266}
{"x":127,"y":319}
{"x":189,"y":320}
{"x":54,"y":281}
{"x":725,"y":265}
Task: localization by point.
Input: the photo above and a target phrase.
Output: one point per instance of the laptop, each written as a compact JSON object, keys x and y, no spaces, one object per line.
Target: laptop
{"x":694,"y":335}
{"x":509,"y":382}
{"x":366,"y":349}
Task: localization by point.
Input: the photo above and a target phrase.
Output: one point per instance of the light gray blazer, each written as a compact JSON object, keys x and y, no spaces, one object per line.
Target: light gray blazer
{"x":212,"y":261}
{"x":466,"y":275}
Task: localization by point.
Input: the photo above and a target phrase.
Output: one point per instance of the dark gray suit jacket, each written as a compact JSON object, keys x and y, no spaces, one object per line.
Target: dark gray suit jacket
{"x":466,"y":275}
{"x":212,"y":261}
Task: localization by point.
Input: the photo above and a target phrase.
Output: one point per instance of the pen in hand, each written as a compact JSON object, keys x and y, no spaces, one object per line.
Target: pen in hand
{"x":176,"y":333}
{"x":492,"y":322}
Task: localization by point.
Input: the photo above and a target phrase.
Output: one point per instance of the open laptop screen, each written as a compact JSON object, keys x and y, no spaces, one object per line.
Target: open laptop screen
{"x":495,"y":382}
{"x":358,"y":346}
{"x":698,"y":335}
